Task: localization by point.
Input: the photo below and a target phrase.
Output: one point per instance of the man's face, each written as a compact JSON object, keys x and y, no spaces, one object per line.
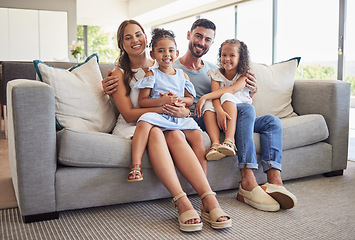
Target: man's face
{"x":200,"y":41}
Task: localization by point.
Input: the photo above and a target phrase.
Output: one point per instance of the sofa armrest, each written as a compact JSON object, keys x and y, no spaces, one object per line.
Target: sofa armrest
{"x":32,"y":145}
{"x":330,"y":98}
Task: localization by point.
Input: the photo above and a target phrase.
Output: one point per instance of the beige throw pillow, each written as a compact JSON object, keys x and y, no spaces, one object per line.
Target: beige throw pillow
{"x":80,"y":101}
{"x":275,"y":86}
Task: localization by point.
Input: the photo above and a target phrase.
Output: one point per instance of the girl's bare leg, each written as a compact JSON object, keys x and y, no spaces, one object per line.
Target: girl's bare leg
{"x":211,"y":124}
{"x":189,"y":166}
{"x":195,"y":138}
{"x":164,"y":168}
{"x":139,"y":143}
{"x":231,"y":109}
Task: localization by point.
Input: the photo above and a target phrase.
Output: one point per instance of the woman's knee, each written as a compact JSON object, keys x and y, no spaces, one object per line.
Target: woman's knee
{"x":173,"y":136}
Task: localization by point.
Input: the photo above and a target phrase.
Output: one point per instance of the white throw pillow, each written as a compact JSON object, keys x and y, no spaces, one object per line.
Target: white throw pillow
{"x":275,"y":86}
{"x":80,"y":101}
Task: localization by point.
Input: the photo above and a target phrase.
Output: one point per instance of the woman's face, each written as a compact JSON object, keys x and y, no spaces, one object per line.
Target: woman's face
{"x":134,"y":40}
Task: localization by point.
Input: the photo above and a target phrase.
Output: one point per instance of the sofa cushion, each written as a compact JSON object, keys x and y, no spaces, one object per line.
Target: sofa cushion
{"x":275,"y":85}
{"x":80,"y":102}
{"x":95,"y":149}
{"x":300,"y":131}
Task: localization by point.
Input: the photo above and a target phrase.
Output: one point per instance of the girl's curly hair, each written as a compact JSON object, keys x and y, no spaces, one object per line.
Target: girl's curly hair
{"x":243,"y":64}
{"x":159,"y":33}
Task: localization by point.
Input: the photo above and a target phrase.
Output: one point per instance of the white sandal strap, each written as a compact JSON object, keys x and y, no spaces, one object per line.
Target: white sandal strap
{"x":176,"y":198}
{"x":206,"y":194}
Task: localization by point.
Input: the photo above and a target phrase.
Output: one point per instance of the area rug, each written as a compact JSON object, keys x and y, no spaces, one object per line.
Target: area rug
{"x":325,"y":210}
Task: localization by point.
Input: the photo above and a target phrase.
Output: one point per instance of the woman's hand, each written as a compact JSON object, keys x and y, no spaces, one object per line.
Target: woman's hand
{"x":222,"y":118}
{"x":251,"y":83}
{"x":199,"y":105}
{"x":109,"y":83}
{"x":177,"y":109}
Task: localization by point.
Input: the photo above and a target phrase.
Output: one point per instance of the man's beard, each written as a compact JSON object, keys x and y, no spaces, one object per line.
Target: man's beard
{"x":191,"y":48}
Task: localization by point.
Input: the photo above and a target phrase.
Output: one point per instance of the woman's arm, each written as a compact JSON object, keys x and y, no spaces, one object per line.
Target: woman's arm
{"x":124,"y":104}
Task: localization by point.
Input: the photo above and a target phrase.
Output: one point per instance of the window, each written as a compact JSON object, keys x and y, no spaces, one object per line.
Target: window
{"x":101,"y":41}
{"x":254,"y":27}
{"x":349,"y":48}
{"x":225,"y":29}
{"x":309,"y":29}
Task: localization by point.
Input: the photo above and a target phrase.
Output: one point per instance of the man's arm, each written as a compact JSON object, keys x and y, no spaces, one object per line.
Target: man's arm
{"x":109,"y":83}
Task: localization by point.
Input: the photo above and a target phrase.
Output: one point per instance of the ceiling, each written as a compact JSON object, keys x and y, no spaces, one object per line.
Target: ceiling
{"x":111,"y":13}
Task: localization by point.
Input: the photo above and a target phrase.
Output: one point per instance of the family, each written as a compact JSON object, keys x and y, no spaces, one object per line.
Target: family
{"x":165,"y":102}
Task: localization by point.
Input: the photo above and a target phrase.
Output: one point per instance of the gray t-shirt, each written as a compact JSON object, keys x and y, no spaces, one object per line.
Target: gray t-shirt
{"x":199,"y":78}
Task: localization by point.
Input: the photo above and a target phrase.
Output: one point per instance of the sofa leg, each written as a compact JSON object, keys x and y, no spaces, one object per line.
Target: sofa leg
{"x":40,"y":217}
{"x":334,"y":173}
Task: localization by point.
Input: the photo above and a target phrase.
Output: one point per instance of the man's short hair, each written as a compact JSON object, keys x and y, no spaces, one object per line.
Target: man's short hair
{"x":202,"y":22}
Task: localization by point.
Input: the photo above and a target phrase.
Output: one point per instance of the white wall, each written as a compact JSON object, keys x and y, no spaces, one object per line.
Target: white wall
{"x":68,"y":6}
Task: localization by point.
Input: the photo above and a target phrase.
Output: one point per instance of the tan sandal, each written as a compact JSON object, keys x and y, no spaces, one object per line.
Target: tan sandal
{"x":213,"y":215}
{"x":188,"y":215}
{"x":227,"y":148}
{"x":213,"y":154}
{"x":136,"y":170}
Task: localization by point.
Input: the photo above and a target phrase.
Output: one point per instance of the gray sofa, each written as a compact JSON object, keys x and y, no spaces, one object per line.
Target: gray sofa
{"x":54,"y":171}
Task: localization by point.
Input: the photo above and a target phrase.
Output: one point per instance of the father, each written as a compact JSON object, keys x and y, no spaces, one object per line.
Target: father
{"x":201,"y":37}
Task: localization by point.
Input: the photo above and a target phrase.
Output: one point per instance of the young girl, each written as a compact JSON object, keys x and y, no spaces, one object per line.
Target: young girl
{"x":228,"y":88}
{"x":163,"y":85}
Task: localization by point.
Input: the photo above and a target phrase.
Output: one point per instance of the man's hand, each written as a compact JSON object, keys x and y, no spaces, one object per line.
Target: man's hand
{"x":251,"y":83}
{"x":109,"y":83}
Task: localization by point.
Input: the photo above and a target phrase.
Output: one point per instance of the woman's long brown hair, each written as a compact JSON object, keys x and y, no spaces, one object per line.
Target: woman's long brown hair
{"x":123,"y":59}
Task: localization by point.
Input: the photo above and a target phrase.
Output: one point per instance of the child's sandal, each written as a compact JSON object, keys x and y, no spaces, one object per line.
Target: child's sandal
{"x":213,"y":154}
{"x":213,"y":215}
{"x":136,"y":170}
{"x":188,"y":215}
{"x":227,"y":148}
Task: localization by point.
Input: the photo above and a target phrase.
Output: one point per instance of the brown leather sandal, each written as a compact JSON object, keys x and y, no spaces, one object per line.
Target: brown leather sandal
{"x":136,"y":170}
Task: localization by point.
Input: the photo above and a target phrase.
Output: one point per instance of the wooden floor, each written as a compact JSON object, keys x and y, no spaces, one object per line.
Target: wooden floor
{"x":7,"y":196}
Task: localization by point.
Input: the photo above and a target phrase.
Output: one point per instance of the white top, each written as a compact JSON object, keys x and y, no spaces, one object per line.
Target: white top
{"x":122,"y":128}
{"x":243,"y":95}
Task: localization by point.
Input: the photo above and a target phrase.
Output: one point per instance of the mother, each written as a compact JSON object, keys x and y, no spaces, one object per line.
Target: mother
{"x":132,"y":66}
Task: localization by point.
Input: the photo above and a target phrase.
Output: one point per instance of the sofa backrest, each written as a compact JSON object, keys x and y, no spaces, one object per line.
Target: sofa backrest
{"x":25,"y":70}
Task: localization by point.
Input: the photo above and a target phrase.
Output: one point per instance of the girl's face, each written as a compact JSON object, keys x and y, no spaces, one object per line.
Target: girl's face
{"x":134,"y":40}
{"x":230,"y":56}
{"x":165,"y":53}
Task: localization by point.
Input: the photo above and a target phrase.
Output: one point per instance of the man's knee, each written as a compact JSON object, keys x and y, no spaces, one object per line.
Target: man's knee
{"x":273,"y":121}
{"x":246,"y":110}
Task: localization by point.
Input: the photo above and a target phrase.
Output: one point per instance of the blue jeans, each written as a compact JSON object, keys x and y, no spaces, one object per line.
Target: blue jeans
{"x":270,"y":130}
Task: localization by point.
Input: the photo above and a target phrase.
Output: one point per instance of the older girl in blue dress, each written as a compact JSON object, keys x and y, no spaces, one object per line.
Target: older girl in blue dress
{"x":160,"y":86}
